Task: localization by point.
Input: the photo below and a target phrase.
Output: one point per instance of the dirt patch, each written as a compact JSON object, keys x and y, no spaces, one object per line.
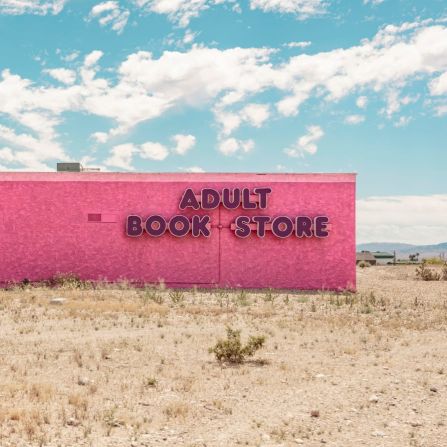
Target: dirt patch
{"x":125,"y":367}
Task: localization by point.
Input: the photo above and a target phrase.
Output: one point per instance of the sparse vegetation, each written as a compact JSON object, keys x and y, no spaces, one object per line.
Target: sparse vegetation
{"x":176,"y":296}
{"x":270,"y":296}
{"x":151,"y":294}
{"x":434,"y":261}
{"x":223,"y":297}
{"x":242,"y":298}
{"x":427,"y":274}
{"x":150,"y":382}
{"x":176,"y":410}
{"x":110,"y":362}
{"x":69,"y":281}
{"x":363,"y":264}
{"x":231,"y":350}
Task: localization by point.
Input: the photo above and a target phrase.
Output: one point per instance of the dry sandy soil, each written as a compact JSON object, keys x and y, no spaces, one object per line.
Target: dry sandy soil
{"x":123,"y":367}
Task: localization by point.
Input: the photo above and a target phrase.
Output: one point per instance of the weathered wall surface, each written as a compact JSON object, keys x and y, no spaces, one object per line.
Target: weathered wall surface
{"x":44,"y":229}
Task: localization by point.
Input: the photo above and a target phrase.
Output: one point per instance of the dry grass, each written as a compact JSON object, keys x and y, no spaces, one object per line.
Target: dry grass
{"x":118,"y":366}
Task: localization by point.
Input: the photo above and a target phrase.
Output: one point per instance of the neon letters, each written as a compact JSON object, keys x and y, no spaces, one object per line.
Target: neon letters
{"x":243,"y":226}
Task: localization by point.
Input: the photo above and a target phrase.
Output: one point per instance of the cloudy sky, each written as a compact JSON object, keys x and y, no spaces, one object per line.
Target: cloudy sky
{"x":238,"y":85}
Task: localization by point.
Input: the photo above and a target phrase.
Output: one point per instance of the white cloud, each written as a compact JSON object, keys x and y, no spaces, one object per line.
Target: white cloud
{"x":393,"y":58}
{"x":145,"y":87}
{"x":441,"y":110}
{"x":302,"y":44}
{"x":229,"y":121}
{"x":361,"y":102}
{"x":181,"y":12}
{"x":153,"y":151}
{"x":93,"y":58}
{"x":232,"y":146}
{"x":109,"y":13}
{"x":394,"y":102}
{"x":28,"y":151}
{"x":122,"y":156}
{"x":301,"y":8}
{"x":63,"y":75}
{"x":70,"y":57}
{"x":6,"y":155}
{"x":148,"y":87}
{"x":439,"y":85}
{"x":25,"y":160}
{"x":354,"y":119}
{"x":255,"y":114}
{"x":183,"y":143}
{"x":194,"y":169}
{"x":373,"y":2}
{"x":38,"y":7}
{"x":103,"y":7}
{"x":178,"y":11}
{"x":402,"y":121}
{"x":252,"y":114}
{"x":306,"y":143}
{"x":189,"y":37}
{"x":408,"y":219}
{"x":100,"y":137}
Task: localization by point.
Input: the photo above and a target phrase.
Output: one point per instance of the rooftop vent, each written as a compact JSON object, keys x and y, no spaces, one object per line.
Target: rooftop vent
{"x":69,"y":167}
{"x":74,"y":167}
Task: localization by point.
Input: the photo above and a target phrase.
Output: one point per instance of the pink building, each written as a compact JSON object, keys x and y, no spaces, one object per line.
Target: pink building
{"x":293,"y":231}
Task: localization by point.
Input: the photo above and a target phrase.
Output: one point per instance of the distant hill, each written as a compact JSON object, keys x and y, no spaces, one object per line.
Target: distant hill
{"x":403,"y":250}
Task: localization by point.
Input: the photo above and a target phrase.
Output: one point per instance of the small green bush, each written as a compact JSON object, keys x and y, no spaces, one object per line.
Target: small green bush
{"x":230,"y":350}
{"x":151,"y":294}
{"x":176,"y":296}
{"x":363,"y":264}
{"x":150,"y":382}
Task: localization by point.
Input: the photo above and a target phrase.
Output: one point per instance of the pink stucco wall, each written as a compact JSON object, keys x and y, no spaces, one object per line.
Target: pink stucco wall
{"x":44,"y":229}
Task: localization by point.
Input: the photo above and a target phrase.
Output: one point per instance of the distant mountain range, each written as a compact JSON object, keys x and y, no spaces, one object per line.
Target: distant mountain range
{"x":403,"y":250}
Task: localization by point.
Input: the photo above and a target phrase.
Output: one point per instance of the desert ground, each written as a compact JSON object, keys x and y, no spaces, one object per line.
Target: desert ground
{"x":120,"y":366}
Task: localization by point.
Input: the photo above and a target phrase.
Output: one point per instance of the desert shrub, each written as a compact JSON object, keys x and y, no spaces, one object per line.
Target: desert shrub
{"x":150,"y":382}
{"x":434,"y":261}
{"x":176,"y":410}
{"x":444,"y":272}
{"x":363,"y":264}
{"x":176,"y":296}
{"x":150,"y":294}
{"x":242,"y":298}
{"x":426,"y":274}
{"x":223,"y":296}
{"x":270,"y":296}
{"x":231,"y":349}
{"x":24,"y":283}
{"x":68,"y":281}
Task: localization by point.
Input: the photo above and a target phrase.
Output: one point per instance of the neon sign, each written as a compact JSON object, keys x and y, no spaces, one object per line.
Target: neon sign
{"x":244,"y":226}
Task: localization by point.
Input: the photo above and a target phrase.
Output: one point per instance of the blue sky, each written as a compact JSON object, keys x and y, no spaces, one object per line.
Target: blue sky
{"x":224,"y":85}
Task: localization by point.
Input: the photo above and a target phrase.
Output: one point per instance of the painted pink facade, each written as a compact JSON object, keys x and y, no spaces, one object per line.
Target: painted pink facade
{"x":76,"y":223}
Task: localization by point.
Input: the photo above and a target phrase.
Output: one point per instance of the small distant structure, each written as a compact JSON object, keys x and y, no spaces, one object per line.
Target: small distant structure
{"x":414,"y":257}
{"x":74,"y":167}
{"x":384,"y":258}
{"x":366,"y":257}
